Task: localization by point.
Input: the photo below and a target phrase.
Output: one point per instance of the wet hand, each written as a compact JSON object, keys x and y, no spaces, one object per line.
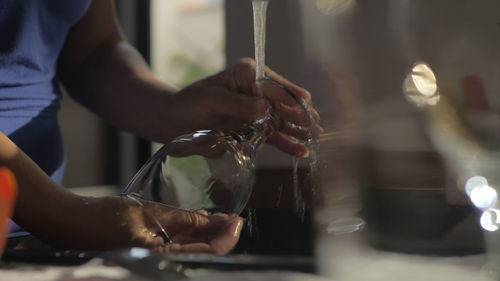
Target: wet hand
{"x":230,"y":101}
{"x":131,"y":223}
{"x":198,"y":232}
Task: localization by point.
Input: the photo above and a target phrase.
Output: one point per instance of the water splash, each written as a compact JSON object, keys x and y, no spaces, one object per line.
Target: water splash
{"x":259,"y":17}
{"x":313,"y":174}
{"x":312,"y":145}
{"x":252,"y":222}
{"x":300,"y":205}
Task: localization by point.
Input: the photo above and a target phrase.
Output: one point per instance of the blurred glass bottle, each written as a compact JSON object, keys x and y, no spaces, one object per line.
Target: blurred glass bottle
{"x":415,"y":197}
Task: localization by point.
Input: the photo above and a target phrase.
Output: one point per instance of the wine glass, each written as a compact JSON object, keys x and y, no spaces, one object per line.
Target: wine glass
{"x":210,"y":170}
{"x":207,"y":170}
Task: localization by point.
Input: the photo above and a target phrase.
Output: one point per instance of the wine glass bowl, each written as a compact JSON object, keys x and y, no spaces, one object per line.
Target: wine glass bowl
{"x":206,"y":170}
{"x":210,"y":170}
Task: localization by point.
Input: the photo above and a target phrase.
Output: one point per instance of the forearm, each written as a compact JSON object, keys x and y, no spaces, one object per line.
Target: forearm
{"x":117,"y":84}
{"x":42,"y":207}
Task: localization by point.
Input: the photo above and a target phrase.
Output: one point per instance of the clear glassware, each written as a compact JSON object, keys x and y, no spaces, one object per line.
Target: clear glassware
{"x":210,"y":170}
{"x":206,"y":170}
{"x":411,"y":168}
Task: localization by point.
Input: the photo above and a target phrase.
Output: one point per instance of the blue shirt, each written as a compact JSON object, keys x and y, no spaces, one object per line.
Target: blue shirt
{"x":32,"y":34}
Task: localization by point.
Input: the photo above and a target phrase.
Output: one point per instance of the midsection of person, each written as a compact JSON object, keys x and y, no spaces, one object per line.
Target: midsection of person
{"x":33,"y":34}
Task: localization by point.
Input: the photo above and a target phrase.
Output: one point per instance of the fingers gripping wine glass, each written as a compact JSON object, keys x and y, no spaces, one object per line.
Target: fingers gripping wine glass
{"x":209,"y":170}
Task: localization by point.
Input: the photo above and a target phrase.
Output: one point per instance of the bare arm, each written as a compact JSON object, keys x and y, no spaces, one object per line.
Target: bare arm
{"x":103,"y":72}
{"x":41,"y":202}
{"x":64,"y":219}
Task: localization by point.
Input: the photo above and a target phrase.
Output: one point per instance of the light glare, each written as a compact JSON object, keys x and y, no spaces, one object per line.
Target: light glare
{"x":424,"y":79}
{"x":474,"y":182}
{"x":483,"y":196}
{"x":139,"y":253}
{"x":489,"y":220}
{"x":420,"y":86}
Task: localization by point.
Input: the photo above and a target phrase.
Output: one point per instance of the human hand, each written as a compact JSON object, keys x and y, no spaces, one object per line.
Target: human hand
{"x":230,"y":101}
{"x":123,"y":222}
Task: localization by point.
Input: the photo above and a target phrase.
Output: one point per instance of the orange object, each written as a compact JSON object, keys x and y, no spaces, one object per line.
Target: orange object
{"x":8,"y":195}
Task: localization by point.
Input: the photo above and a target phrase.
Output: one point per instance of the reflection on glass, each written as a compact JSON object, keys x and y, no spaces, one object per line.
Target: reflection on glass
{"x":474,"y":182}
{"x":454,"y":138}
{"x":483,"y":196}
{"x":139,"y":253}
{"x":490,"y":220}
{"x":346,"y":225}
{"x":330,"y":7}
{"x":210,"y":170}
{"x":206,"y":170}
{"x":420,"y":86}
